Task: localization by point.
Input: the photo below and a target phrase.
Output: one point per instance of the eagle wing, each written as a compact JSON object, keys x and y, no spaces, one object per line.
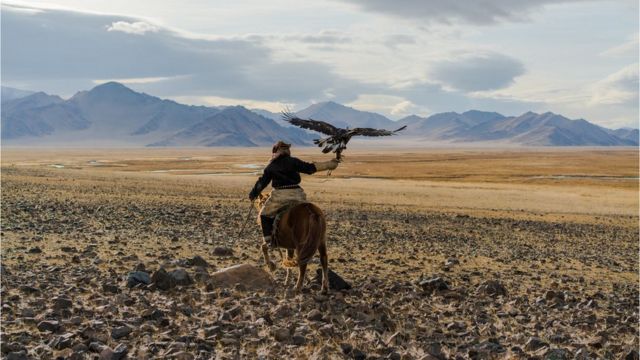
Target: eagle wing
{"x":374,"y":132}
{"x":315,"y":125}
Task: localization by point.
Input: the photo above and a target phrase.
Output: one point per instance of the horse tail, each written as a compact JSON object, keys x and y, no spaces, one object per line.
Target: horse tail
{"x":316,"y":229}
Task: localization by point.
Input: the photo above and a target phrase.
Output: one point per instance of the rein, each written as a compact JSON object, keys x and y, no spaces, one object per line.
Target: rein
{"x":246,"y":220}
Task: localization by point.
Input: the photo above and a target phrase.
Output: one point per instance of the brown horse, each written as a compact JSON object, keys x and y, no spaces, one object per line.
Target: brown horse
{"x":302,"y":231}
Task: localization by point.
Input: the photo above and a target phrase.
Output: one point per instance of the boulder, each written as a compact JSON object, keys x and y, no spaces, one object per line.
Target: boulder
{"x":48,"y":325}
{"x":181,"y":277}
{"x":557,"y":354}
{"x":429,"y":286}
{"x":163,"y":280}
{"x":492,"y":288}
{"x":252,"y":277}
{"x":534,"y":343}
{"x":138,"y":277}
{"x":336,"y":282}
{"x":198,"y":261}
{"x":222,"y":251}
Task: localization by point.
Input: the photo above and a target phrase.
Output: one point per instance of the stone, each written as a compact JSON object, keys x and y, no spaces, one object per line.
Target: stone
{"x":182,"y":355}
{"x":314,"y":315}
{"x":120,"y":352}
{"x":198,"y":261}
{"x":252,"y":277}
{"x":298,"y":340}
{"x":583,"y":354}
{"x":110,"y":288}
{"x":489,"y":347}
{"x":35,"y":250}
{"x":153,"y":314}
{"x":346,"y":348}
{"x":557,"y":354}
{"x":80,"y":348}
{"x":120,"y":332}
{"x":492,"y":288}
{"x":201,"y":275}
{"x":451,"y":262}
{"x":357,"y":354}
{"x":429,"y":286}
{"x":631,"y":355}
{"x":11,"y":347}
{"x":138,"y":278}
{"x":162,"y":279}
{"x":17,"y":355}
{"x":29,"y":289}
{"x":48,"y":325}
{"x":336,"y":282}
{"x":281,"y":334}
{"x":181,"y":277}
{"x":222,"y":251}
{"x":97,"y":346}
{"x":60,"y":303}
{"x":534,"y":343}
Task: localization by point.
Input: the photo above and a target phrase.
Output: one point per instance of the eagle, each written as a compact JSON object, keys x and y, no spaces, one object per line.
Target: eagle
{"x":338,"y":138}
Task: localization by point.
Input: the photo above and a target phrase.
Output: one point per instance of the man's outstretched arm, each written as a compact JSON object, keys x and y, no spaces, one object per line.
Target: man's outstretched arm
{"x":326,"y":165}
{"x":310,"y":168}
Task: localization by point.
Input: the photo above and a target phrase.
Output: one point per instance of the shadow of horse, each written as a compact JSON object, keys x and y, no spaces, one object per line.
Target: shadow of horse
{"x":301,"y":231}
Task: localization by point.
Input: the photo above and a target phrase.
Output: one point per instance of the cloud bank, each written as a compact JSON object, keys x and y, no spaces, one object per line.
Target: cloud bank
{"x":467,"y":11}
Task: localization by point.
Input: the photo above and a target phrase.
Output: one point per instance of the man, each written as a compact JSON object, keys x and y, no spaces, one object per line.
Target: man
{"x":283,"y":172}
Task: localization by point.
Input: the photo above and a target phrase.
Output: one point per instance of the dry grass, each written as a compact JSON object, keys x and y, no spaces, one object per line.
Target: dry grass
{"x":390,"y":222}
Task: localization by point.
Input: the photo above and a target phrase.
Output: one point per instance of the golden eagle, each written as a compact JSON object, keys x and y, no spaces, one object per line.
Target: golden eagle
{"x":338,"y":138}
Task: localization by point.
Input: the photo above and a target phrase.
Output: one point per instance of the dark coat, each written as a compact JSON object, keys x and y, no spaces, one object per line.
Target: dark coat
{"x":283,"y":171}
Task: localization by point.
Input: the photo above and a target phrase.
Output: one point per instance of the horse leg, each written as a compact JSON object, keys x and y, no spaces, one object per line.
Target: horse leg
{"x":324,"y":262}
{"x":289,"y":257}
{"x":265,"y":252}
{"x":303,"y":270}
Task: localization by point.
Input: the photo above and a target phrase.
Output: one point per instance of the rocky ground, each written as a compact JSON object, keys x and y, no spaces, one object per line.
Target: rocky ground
{"x":107,"y":266}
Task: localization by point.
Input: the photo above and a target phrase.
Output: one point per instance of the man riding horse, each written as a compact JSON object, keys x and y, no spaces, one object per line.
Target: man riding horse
{"x":283,"y":172}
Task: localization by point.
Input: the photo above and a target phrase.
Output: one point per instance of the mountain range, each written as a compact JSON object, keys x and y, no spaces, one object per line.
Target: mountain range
{"x":111,"y":114}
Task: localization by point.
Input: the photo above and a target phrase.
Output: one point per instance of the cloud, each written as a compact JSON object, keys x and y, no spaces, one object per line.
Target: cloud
{"x":392,"y":106}
{"x":68,"y":48}
{"x":323,"y":37}
{"x":477,"y":72}
{"x":129,"y":81}
{"x":138,"y":27}
{"x":467,"y":11}
{"x":62,"y":51}
{"x":618,"y":88}
{"x":395,"y":40}
{"x":629,"y":48}
{"x":275,"y":107}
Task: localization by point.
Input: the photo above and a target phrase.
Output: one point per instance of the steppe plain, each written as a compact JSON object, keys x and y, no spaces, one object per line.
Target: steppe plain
{"x":451,"y":253}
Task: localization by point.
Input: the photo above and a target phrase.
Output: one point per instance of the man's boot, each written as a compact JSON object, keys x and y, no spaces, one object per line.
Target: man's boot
{"x":267,"y":228}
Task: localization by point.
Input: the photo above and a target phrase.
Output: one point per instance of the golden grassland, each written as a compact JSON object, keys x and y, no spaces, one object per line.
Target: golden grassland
{"x":564,"y":220}
{"x":570,"y":182}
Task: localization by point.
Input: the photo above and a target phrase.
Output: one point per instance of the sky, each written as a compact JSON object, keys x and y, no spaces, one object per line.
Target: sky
{"x":578,"y":58}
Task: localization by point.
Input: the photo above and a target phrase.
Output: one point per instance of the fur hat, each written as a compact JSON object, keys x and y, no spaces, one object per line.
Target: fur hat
{"x":280,"y":145}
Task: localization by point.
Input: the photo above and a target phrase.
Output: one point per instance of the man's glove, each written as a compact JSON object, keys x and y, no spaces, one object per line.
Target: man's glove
{"x":252,"y":195}
{"x":326,"y":165}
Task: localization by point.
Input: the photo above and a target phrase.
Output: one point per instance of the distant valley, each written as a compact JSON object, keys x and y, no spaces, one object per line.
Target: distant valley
{"x":113,"y":115}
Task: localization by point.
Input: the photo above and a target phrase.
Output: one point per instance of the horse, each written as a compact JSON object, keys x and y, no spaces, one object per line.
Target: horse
{"x":302,"y":231}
